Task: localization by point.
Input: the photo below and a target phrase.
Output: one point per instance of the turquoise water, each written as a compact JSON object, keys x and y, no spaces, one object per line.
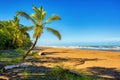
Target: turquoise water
{"x":110,"y":43}
{"x":114,"y":46}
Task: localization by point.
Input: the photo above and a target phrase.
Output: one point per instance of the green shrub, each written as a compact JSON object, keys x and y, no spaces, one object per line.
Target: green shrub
{"x":10,"y":58}
{"x":19,"y":50}
{"x":63,"y":74}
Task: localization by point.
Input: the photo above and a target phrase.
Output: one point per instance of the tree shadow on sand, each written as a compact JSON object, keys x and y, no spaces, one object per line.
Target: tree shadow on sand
{"x":78,"y":61}
{"x":26,"y":73}
{"x":49,"y":53}
{"x":106,"y":73}
{"x":39,"y":72}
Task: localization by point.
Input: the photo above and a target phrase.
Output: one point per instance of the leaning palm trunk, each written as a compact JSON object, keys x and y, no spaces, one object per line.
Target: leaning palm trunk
{"x":31,"y":48}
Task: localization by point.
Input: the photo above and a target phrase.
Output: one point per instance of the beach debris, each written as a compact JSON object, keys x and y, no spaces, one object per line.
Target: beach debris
{"x":10,"y":67}
{"x":42,"y":53}
{"x":14,"y":66}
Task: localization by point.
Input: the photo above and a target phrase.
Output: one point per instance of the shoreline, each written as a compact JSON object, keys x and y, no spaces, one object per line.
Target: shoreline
{"x":111,"y":50}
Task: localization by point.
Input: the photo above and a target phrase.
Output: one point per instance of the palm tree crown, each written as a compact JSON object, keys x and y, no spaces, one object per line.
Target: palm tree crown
{"x":39,"y":23}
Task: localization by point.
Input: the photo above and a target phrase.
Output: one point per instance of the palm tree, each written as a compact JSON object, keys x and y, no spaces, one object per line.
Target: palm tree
{"x":19,"y":31}
{"x":39,"y":24}
{"x":15,"y":31}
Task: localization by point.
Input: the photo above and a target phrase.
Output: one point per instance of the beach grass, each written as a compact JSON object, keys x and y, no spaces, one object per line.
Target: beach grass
{"x":63,"y":74}
{"x":56,"y":73}
{"x":12,"y":56}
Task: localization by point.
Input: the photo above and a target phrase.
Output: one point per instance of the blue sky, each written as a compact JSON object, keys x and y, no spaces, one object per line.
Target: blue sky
{"x":82,"y":20}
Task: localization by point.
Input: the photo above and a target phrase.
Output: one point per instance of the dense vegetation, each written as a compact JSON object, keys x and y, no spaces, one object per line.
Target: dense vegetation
{"x":14,"y":35}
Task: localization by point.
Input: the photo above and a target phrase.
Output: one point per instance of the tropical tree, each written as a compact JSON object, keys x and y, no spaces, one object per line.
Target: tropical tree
{"x":39,"y":24}
{"x":19,"y":31}
{"x":13,"y":34}
{"x":6,"y":35}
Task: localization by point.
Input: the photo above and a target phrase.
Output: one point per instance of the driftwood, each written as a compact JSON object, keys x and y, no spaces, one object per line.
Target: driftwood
{"x":4,"y":68}
{"x":7,"y":67}
{"x":42,"y":53}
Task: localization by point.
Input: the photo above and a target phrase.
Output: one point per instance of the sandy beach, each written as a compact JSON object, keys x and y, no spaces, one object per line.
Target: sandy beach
{"x":60,"y":40}
{"x":107,"y":59}
{"x":96,"y":62}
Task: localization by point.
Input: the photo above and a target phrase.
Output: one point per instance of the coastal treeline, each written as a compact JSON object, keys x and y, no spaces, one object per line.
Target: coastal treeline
{"x":13,"y":34}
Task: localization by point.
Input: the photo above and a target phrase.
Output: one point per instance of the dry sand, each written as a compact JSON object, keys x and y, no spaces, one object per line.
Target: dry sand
{"x":107,"y":59}
{"x":100,"y":63}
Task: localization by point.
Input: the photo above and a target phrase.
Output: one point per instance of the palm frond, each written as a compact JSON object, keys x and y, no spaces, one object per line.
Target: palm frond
{"x":36,"y":17}
{"x":16,"y":19}
{"x":55,"y":32}
{"x":15,"y":22}
{"x":24,"y":29}
{"x":24,"y":14}
{"x":52,"y":18}
{"x":39,"y":14}
{"x":37,"y":10}
{"x":43,"y":15}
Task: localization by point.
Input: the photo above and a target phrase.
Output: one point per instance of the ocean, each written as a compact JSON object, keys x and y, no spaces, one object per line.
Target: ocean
{"x":108,"y":46}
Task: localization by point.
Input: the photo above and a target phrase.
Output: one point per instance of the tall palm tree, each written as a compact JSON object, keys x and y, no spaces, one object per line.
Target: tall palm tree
{"x":39,"y":24}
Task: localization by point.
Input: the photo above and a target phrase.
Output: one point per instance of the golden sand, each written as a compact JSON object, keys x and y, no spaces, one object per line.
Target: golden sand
{"x":107,"y":59}
{"x":100,"y":63}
